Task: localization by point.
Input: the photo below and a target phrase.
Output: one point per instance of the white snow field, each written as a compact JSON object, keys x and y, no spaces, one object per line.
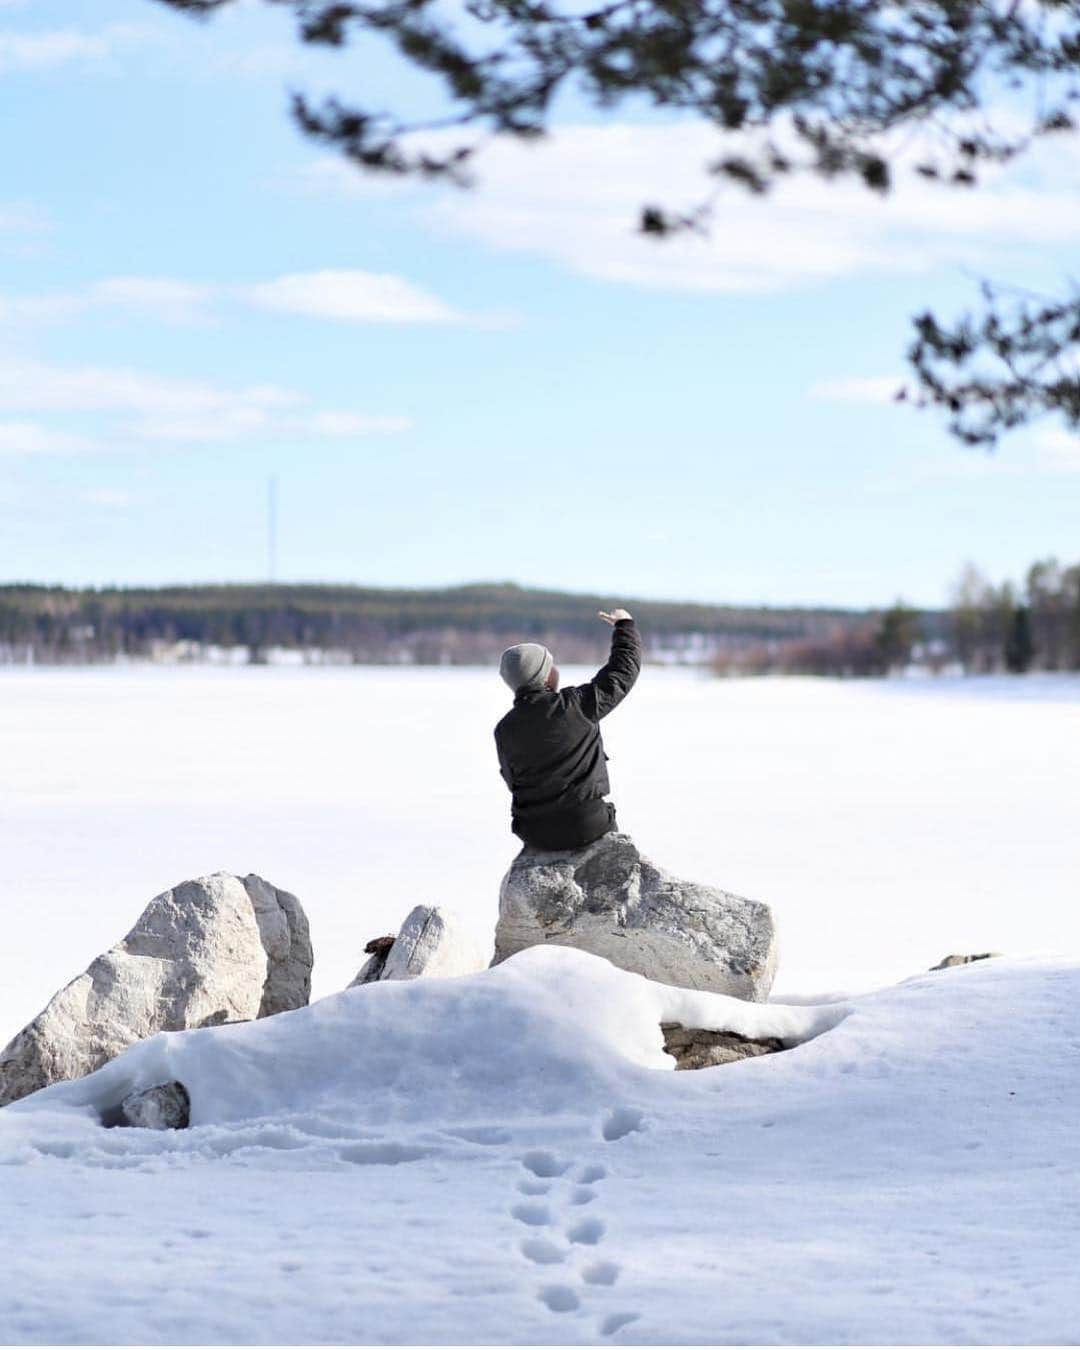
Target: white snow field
{"x":886,"y":823}
{"x":507,"y":1157}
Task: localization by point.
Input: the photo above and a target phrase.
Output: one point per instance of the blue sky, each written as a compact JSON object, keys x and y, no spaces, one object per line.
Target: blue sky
{"x":499,"y":384}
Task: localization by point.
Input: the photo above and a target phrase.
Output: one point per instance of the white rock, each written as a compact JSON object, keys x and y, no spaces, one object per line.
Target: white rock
{"x":432,"y":941}
{"x":609,"y":900}
{"x":218,"y":949}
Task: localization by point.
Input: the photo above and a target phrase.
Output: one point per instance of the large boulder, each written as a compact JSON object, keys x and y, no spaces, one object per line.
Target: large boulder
{"x":219,"y":949}
{"x":608,"y":899}
{"x":431,"y":942}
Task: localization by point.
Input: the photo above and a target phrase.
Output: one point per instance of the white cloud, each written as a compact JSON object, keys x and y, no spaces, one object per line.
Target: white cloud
{"x":335,"y":176}
{"x":37,"y":386}
{"x":137,"y":409}
{"x":163,"y":297}
{"x":1057,"y":450}
{"x":866,"y":389}
{"x":47,"y":49}
{"x":346,"y":424}
{"x":155,"y":293}
{"x":20,"y":219}
{"x":575,"y":197}
{"x":22,"y":229}
{"x":29,"y":438}
{"x":110,"y":498}
{"x":351,"y":296}
{"x":368,"y":297}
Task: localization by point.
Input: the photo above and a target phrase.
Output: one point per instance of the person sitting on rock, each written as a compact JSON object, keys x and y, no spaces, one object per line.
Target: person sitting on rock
{"x":550,"y":751}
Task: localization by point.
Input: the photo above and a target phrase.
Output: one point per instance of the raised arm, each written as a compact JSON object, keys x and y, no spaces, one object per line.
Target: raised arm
{"x":613,"y":681}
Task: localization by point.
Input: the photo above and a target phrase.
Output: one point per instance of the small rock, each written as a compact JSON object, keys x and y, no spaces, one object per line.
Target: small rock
{"x":218,"y":949}
{"x":165,"y":1107}
{"x":696,"y":1048}
{"x":431,"y":942}
{"x":608,"y":899}
{"x":378,"y":949}
{"x":947,"y":961}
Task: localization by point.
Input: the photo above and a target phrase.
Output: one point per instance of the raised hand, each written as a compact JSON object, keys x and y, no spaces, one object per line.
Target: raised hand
{"x":615,"y":615}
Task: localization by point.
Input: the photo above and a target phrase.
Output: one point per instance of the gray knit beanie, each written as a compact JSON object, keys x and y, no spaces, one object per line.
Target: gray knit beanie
{"x":526,"y":666}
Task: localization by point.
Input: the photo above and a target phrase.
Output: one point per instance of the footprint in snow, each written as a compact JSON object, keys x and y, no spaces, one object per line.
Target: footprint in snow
{"x":603,"y":1272}
{"x":587,"y":1233}
{"x":622,"y":1121}
{"x":543,"y":1174}
{"x":610,"y":1325}
{"x":536,"y":1216}
{"x":542,"y":1252}
{"x":541,"y":1163}
{"x":533,"y":1186}
{"x":559,"y":1298}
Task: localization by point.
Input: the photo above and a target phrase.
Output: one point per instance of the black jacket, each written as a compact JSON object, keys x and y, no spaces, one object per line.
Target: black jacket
{"x":551,"y":755}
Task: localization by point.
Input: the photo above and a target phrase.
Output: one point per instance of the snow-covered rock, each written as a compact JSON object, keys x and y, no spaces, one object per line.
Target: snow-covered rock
{"x":570,"y":1023}
{"x":167,"y":1106}
{"x":431,"y":942}
{"x":217,"y":949}
{"x":696,"y":1048}
{"x":947,"y":962}
{"x":610,"y":900}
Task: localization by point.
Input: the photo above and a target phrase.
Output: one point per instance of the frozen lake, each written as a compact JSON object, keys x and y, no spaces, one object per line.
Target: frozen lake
{"x":886,"y":823}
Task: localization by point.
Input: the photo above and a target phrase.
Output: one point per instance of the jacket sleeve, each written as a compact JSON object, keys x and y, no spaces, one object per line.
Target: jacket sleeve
{"x":611,"y":684}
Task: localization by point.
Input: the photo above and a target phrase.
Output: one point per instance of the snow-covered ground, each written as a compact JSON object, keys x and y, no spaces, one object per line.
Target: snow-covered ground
{"x":505,"y":1158}
{"x":502,"y":1158}
{"x":886,"y":823}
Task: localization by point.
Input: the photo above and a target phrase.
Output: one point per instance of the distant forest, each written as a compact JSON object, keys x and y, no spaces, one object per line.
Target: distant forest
{"x":462,"y":625}
{"x":986,"y":628}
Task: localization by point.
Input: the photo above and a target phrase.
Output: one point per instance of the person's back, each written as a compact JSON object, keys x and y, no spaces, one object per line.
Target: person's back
{"x":551,"y":754}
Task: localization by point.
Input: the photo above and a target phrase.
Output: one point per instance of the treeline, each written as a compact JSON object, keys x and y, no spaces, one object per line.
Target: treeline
{"x":862,"y":646}
{"x":458,"y":625}
{"x":1033,"y":626}
{"x":986,"y":629}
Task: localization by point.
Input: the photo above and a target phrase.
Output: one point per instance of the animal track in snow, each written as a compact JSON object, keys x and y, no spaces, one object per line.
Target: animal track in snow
{"x":559,"y":1298}
{"x":548,"y":1175}
{"x":587,"y":1233}
{"x":610,"y":1325}
{"x":541,"y":1163}
{"x":482,"y":1134}
{"x":536,"y":1216}
{"x":603,"y":1272}
{"x":622,"y":1121}
{"x":386,"y":1154}
{"x":542,"y":1252}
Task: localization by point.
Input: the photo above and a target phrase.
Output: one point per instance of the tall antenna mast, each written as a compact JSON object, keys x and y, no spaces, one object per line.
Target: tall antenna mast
{"x":271,"y":526}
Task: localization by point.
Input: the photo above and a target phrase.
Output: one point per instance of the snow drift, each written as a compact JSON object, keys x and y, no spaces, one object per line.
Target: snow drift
{"x":548,"y":1028}
{"x":506,"y":1157}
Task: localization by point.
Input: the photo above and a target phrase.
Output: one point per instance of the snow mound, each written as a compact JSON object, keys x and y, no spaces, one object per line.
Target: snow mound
{"x":498,"y":1159}
{"x":548,"y":1027}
